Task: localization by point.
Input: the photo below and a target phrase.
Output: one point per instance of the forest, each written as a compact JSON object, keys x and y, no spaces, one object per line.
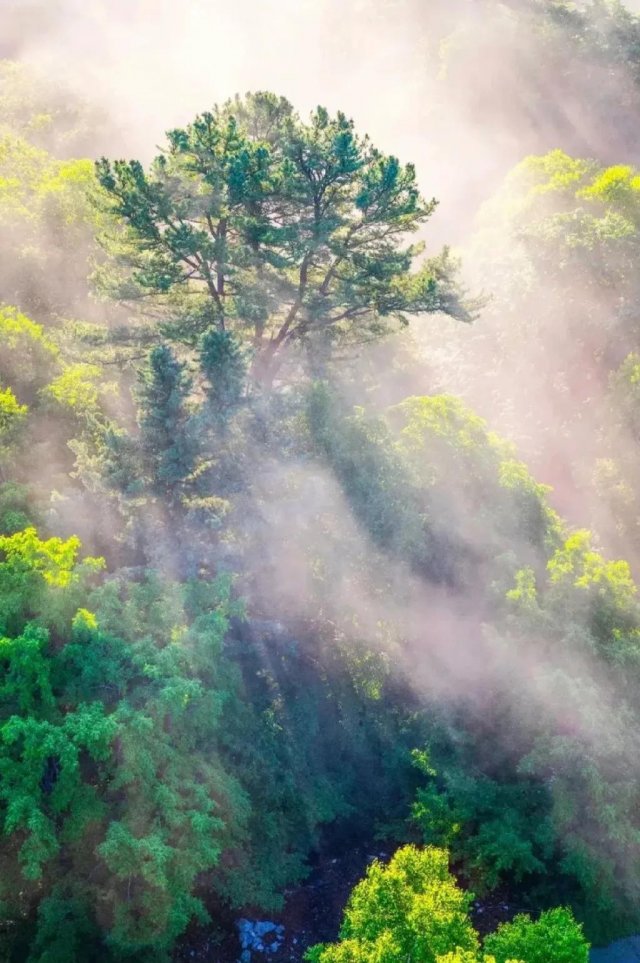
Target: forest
{"x":319,"y":481}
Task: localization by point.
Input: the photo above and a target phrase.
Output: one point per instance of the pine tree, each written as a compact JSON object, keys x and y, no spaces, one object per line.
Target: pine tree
{"x":223,"y":366}
{"x":283,"y":232}
{"x":167,"y":447}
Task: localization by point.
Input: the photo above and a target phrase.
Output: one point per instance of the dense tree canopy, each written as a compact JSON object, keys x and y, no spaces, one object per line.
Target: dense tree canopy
{"x":283,"y":570}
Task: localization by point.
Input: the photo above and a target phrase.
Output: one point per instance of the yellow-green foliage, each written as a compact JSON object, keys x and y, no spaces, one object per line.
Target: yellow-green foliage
{"x":30,"y":358}
{"x":32,"y":184}
{"x":579,"y":581}
{"x":20,"y":169}
{"x":555,"y":171}
{"x":629,"y":371}
{"x":410,"y":909}
{"x":84,"y":619}
{"x":524,"y":593}
{"x":20,"y":333}
{"x":447,"y":444}
{"x":12,"y":413}
{"x":446,"y":417}
{"x":54,"y":559}
{"x":28,"y":355}
{"x":467,"y":439}
{"x":76,"y":389}
{"x":47,"y":210}
{"x":577,"y":562}
{"x":554,"y":938}
{"x":620,"y":184}
{"x":575,"y":202}
{"x":413,"y":909}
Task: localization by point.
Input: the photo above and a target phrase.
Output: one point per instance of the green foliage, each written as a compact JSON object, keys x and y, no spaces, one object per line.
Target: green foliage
{"x":66,"y":931}
{"x":46,"y":800}
{"x":75,"y":390}
{"x":583,"y":211}
{"x":35,"y":106}
{"x":289,"y":232}
{"x":446,"y":444}
{"x":159,"y":751}
{"x":223,"y":366}
{"x":586,"y":607}
{"x":412,"y":909}
{"x":166,"y":446}
{"x":495,"y":830}
{"x":554,"y":938}
{"x":360,"y":452}
{"x":408,"y":909}
{"x":28,"y":355}
{"x":47,"y":206}
{"x":31,"y":570}
{"x":12,"y":415}
{"x":107,"y":742}
{"x":431,"y":484}
{"x":16,"y":508}
{"x":121,"y":721}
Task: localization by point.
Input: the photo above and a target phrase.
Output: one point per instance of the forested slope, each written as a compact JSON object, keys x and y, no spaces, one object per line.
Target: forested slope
{"x":310,"y":530}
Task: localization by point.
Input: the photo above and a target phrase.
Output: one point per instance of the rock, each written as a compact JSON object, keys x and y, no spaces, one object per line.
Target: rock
{"x":259,"y":936}
{"x":622,"y":951}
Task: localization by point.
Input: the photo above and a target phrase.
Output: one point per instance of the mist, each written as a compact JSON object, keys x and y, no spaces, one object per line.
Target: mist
{"x":456,"y":89}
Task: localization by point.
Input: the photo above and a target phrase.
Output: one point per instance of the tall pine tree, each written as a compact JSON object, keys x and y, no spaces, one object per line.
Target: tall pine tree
{"x":167,"y":447}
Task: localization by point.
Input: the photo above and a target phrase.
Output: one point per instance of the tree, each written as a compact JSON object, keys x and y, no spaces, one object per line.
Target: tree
{"x":493,"y":829}
{"x":554,"y":938}
{"x":166,"y":448}
{"x":284,"y":232}
{"x":410,"y":909}
{"x":113,"y":791}
{"x":45,"y":208}
{"x":413,"y":909}
{"x":29,"y":357}
{"x":223,"y":366}
{"x":12,"y":414}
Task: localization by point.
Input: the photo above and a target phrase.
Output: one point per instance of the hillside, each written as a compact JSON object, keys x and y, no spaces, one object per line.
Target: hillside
{"x":319,"y":481}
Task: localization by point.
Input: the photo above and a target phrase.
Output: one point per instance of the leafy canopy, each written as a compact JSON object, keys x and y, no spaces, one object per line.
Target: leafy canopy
{"x":413,"y":909}
{"x":283,"y":231}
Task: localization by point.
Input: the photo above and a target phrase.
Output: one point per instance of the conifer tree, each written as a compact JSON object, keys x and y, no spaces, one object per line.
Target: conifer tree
{"x":224,"y":368}
{"x":283,"y":232}
{"x":168,"y":450}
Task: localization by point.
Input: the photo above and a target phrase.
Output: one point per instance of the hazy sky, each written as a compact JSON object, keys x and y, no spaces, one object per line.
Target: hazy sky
{"x":154,"y":64}
{"x":160,"y":61}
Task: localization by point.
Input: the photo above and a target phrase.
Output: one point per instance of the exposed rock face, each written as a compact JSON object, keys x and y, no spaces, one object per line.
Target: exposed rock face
{"x":259,"y":937}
